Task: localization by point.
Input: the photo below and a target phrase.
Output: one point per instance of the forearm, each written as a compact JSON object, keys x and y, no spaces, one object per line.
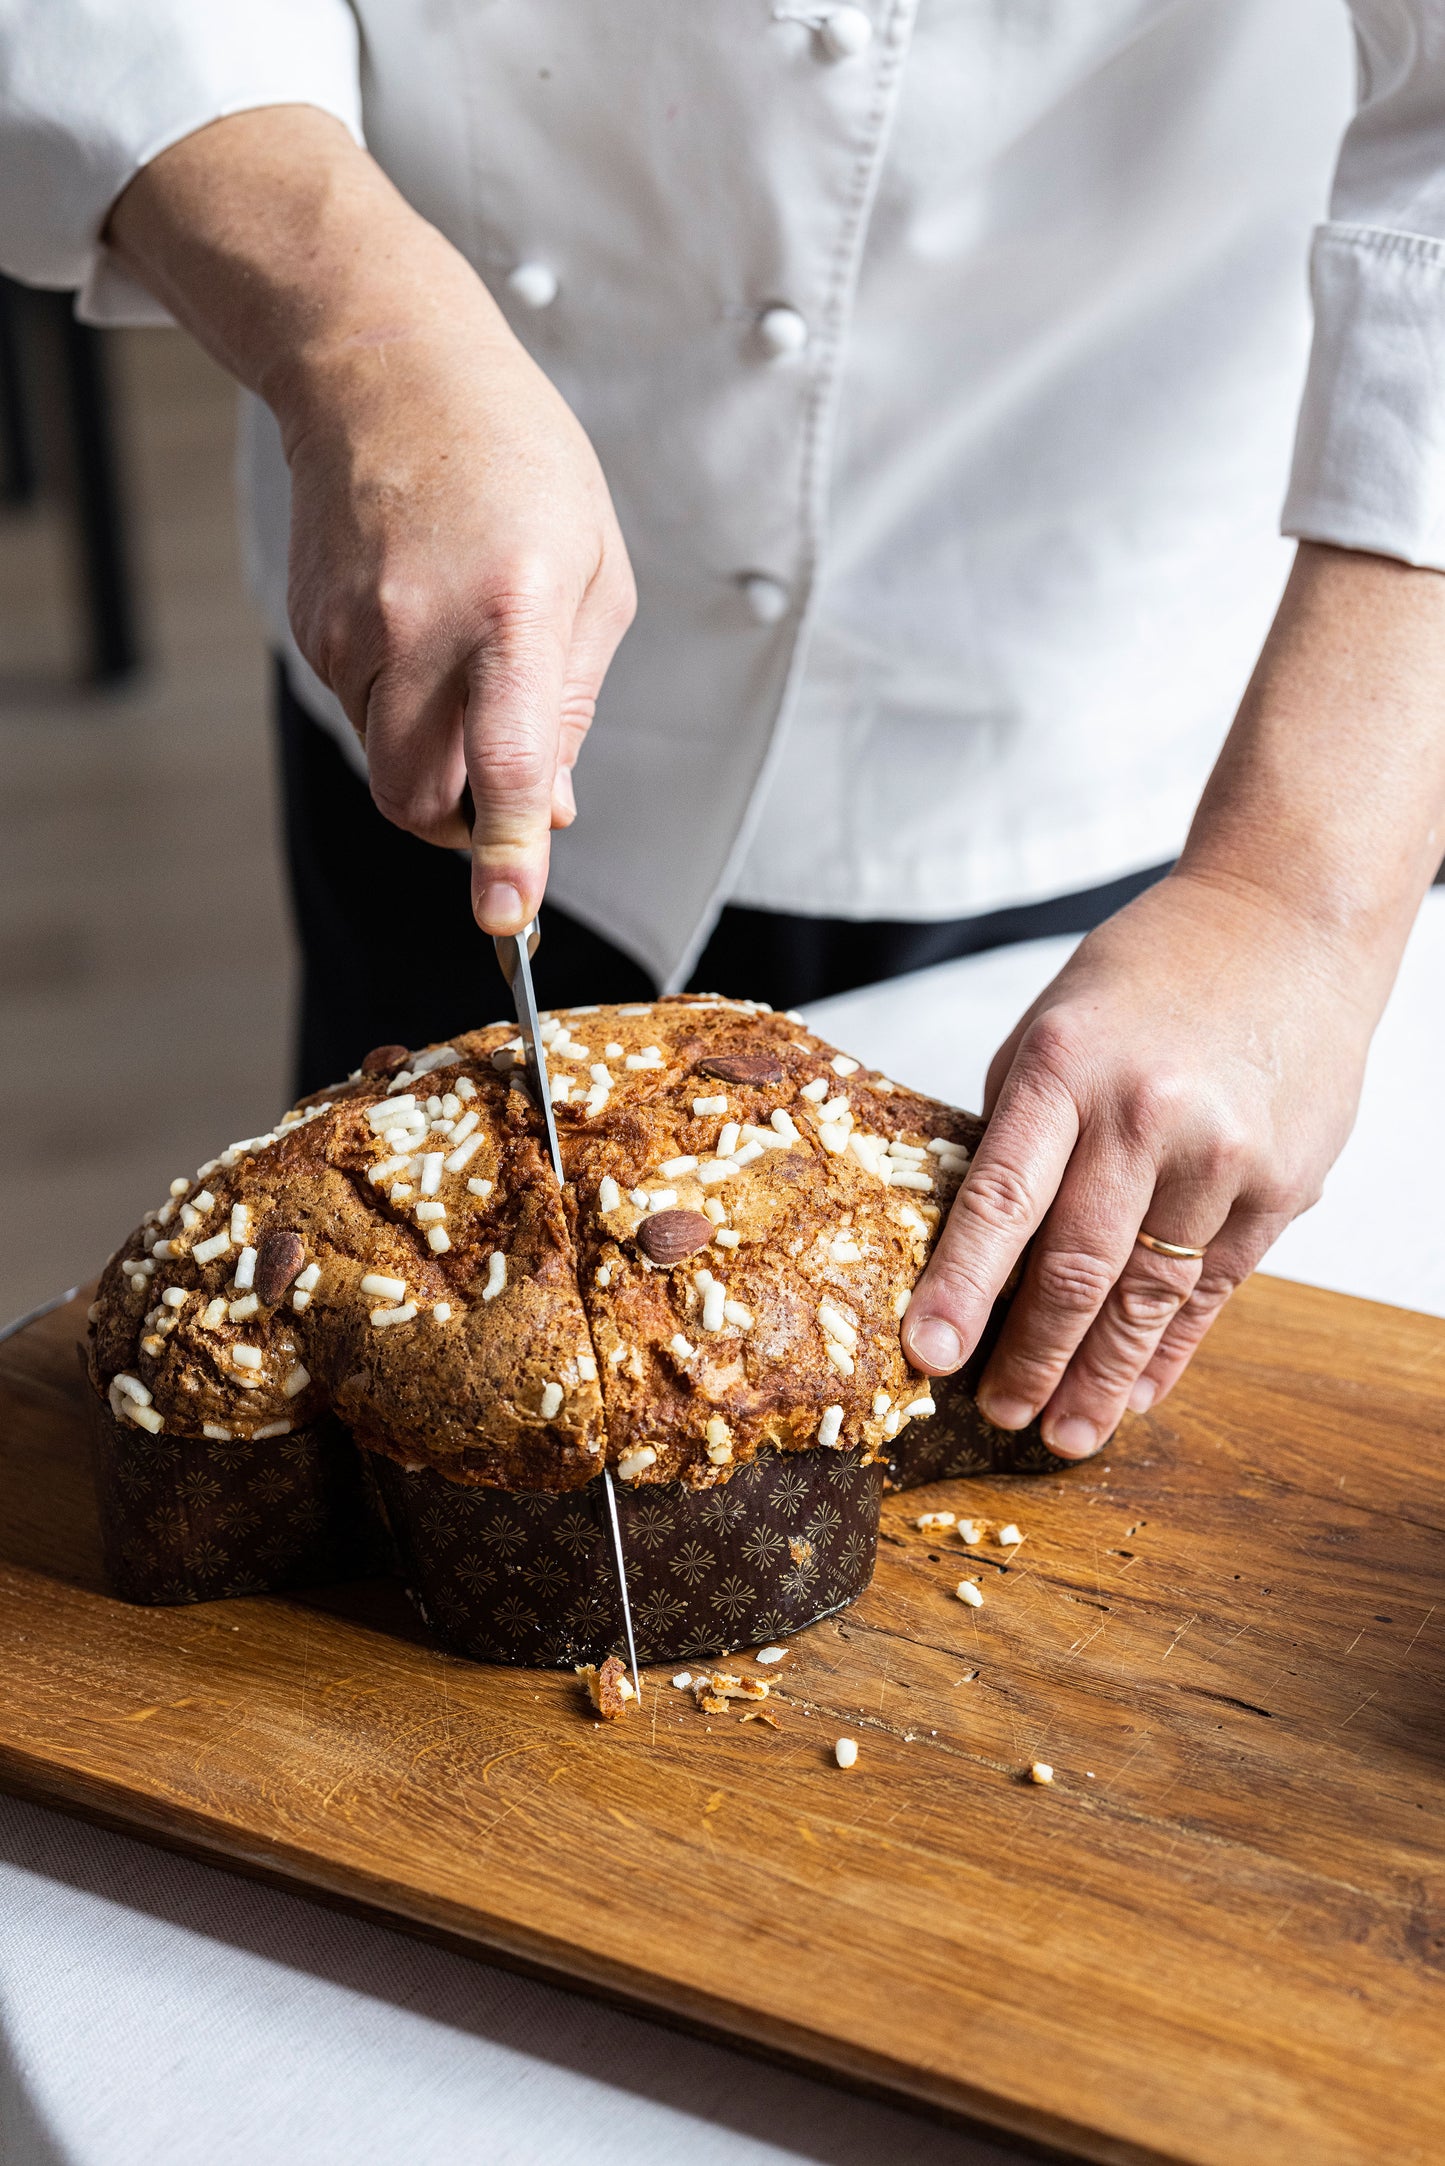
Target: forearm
{"x":1327,"y":806}
{"x":287,"y":253}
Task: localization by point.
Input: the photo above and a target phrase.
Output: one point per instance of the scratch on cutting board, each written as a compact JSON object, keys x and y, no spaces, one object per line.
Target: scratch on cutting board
{"x":1356,"y":1710}
{"x":497,"y":1759}
{"x":1120,"y":1772}
{"x":446,"y":1719}
{"x":1422,"y":1624}
{"x":324,"y":1803}
{"x":1178,"y":1637}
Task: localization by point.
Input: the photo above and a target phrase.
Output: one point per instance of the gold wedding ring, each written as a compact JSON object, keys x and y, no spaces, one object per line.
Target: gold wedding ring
{"x":1168,"y":1248}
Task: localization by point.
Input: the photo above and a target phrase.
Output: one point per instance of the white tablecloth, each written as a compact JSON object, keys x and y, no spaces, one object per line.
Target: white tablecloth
{"x":155,"y":2012}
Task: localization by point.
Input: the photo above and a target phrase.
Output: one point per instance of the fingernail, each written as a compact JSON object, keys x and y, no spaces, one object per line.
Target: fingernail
{"x":564,"y":797}
{"x":935,"y":1344}
{"x":499,"y":908}
{"x":1005,"y":1413}
{"x":1142,"y":1397}
{"x":1072,"y":1438}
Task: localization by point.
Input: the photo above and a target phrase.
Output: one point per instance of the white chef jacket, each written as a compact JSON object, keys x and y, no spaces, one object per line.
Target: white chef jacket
{"x":943,"y":357}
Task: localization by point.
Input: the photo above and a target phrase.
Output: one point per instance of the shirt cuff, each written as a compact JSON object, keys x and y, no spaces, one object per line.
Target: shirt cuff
{"x":1369,"y":461}
{"x":89,"y":97}
{"x":107,"y":294}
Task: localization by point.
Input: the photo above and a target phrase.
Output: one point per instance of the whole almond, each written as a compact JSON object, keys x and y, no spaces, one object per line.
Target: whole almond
{"x":668,"y":1236}
{"x":382,"y":1057}
{"x":742,"y":1067}
{"x":279,"y":1256}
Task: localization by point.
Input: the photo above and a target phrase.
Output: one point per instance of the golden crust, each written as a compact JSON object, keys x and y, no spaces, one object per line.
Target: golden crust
{"x":780,"y":1334}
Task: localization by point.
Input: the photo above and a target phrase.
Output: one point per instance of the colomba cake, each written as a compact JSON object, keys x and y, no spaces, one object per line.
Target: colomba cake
{"x":382,"y":1333}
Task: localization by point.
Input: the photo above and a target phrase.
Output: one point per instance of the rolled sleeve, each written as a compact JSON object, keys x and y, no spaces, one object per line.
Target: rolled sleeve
{"x":92,"y":90}
{"x":1369,"y":462}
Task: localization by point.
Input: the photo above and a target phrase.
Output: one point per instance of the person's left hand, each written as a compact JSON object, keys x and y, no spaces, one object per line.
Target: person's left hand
{"x":1194,"y":1070}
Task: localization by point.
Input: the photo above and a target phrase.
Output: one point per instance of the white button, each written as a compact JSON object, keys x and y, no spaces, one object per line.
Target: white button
{"x":783,"y":332}
{"x":767,"y":599}
{"x":843,"y":33}
{"x":533,"y":284}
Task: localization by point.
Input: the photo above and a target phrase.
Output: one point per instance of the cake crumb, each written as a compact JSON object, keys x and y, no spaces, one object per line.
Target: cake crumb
{"x":761,"y":1714}
{"x":714,"y":1688}
{"x":967,"y":1592}
{"x":770,"y":1654}
{"x":1041,"y":1772}
{"x":970,"y":1530}
{"x":610,"y":1689}
{"x":926,"y":1522}
{"x":682,"y":1680}
{"x":1008,"y":1537}
{"x":845,"y":1752}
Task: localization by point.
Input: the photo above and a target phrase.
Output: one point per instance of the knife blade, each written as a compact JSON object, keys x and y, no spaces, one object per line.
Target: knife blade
{"x":514,"y":954}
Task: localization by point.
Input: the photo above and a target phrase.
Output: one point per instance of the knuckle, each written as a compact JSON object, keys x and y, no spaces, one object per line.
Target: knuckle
{"x":1109,"y":1365}
{"x":403,"y":612}
{"x":621,"y":605}
{"x":426,"y":813}
{"x":400,"y":806}
{"x":1054,"y":1045}
{"x":516,"y":605}
{"x":951,"y":1286}
{"x":1148,"y":1103}
{"x":1224,"y":1153}
{"x":1210,"y":1295}
{"x":1146,"y":1306}
{"x":1032,"y":1370}
{"x":579,"y":712}
{"x":996,"y":1195}
{"x":514,"y":770}
{"x":1284,"y":1198}
{"x":1197,"y":1314}
{"x":323,"y":635}
{"x":1072,"y":1281}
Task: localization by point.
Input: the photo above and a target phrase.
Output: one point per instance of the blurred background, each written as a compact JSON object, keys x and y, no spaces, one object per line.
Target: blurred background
{"x":145,"y":956}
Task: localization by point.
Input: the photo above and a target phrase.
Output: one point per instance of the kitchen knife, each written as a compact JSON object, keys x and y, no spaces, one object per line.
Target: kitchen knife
{"x":514,"y":953}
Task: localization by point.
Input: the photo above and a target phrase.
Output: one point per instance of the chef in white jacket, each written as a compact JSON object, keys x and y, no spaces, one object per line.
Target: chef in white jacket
{"x":923,"y":374}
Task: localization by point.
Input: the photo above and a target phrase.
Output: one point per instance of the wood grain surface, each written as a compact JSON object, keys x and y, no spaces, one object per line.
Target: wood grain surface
{"x":1219,"y":1936}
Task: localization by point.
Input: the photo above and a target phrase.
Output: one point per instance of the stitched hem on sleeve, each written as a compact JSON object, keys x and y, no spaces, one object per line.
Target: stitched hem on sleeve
{"x":1369,"y":463}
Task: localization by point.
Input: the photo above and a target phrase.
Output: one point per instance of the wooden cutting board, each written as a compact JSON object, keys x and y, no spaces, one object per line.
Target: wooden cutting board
{"x":1220,"y":1934}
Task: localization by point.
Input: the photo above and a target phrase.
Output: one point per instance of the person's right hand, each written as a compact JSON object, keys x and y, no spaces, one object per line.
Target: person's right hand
{"x":459,"y":581}
{"x":458,"y":578}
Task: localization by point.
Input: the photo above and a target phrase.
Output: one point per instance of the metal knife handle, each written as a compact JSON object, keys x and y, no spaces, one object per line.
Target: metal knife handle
{"x":506,"y":945}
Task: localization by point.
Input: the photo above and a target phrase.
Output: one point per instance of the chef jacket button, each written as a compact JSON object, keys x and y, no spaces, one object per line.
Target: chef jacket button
{"x":767,"y":598}
{"x":783,"y":332}
{"x":533,"y":284}
{"x":843,"y":33}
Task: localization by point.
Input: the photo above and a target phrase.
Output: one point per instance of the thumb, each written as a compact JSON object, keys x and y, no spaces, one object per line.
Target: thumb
{"x":515,"y":685}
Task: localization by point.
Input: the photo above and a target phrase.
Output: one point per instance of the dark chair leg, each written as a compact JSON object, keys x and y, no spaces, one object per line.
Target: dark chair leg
{"x":18,"y":477}
{"x":56,"y":438}
{"x":103,"y":541}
